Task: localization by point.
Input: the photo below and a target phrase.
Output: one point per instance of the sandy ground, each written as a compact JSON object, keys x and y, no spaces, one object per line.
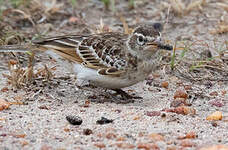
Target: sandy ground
{"x":40,"y":122}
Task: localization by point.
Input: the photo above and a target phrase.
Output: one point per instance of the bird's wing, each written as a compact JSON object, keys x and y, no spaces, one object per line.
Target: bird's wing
{"x":102,"y":52}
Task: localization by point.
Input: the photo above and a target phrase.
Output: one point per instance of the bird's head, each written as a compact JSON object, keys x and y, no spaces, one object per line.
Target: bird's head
{"x":145,"y":41}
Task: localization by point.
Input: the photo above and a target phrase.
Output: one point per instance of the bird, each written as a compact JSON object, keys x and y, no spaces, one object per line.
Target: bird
{"x":110,"y":60}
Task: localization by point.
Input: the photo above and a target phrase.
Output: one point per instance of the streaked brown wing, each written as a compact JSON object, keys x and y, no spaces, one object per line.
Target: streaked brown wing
{"x":64,"y":46}
{"x":103,"y":52}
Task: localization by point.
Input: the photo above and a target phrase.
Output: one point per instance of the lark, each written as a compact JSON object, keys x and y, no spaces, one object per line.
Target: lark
{"x":109,"y":60}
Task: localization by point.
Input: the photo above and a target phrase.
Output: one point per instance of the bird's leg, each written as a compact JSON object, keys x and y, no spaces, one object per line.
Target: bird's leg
{"x":125,"y":95}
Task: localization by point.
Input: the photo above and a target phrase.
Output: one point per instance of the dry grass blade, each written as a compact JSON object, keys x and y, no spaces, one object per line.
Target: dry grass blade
{"x":181,"y":9}
{"x":125,"y":25}
{"x":45,"y":72}
{"x":20,"y":77}
{"x":29,"y":73}
{"x":26,"y":16}
{"x":172,"y":63}
{"x":197,"y":4}
{"x":178,"y":6}
{"x":49,"y":75}
{"x":102,"y":28}
{"x":191,"y":65}
{"x":12,"y":38}
{"x":15,"y":74}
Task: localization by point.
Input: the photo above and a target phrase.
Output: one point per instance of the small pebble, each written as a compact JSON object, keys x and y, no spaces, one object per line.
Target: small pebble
{"x":153,"y":113}
{"x":180,"y":94}
{"x":74,"y":120}
{"x":214,"y":124}
{"x":87,"y":131}
{"x":215,"y":116}
{"x":104,"y":120}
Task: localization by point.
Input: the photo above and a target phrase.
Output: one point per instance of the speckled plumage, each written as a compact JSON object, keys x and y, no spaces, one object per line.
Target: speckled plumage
{"x":110,"y":60}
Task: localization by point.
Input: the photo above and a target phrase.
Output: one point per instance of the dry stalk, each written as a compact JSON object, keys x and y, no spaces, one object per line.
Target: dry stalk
{"x":102,"y":28}
{"x":20,"y":77}
{"x":181,"y":9}
{"x":196,"y":4}
{"x":127,"y":30}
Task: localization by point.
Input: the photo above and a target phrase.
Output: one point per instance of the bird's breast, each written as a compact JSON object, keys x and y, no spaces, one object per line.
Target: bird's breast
{"x":140,"y":72}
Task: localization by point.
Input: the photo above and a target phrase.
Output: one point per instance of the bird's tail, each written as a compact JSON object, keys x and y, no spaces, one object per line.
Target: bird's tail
{"x":16,"y":48}
{"x":69,"y":54}
{"x":13,"y":48}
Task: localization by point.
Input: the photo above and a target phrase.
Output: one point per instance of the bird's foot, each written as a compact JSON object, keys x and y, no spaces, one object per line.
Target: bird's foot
{"x":125,"y":95}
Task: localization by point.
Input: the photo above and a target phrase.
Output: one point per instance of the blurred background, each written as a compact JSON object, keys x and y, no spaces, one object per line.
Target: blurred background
{"x":185,"y":19}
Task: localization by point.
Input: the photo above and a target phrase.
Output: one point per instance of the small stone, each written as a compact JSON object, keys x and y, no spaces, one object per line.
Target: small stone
{"x":4,"y":89}
{"x":163,"y":115}
{"x":215,"y":116}
{"x":165,"y":84}
{"x":118,"y":110}
{"x":214,"y":93}
{"x":179,"y":102}
{"x":214,"y":124}
{"x":223,"y":92}
{"x":66,"y":129}
{"x":104,"y":120}
{"x":180,"y":94}
{"x":74,"y":120}
{"x":153,"y":113}
{"x":187,"y":143}
{"x":4,"y":104}
{"x":86,"y":104}
{"x":3,"y":134}
{"x":100,"y":145}
{"x":19,"y":135}
{"x":136,"y":118}
{"x":184,"y":110}
{"x":43,"y":107}
{"x":87,"y":131}
{"x":217,"y":102}
{"x":148,"y":146}
{"x":188,"y":87}
{"x":111,"y":136}
{"x":189,"y":135}
{"x":121,"y":139}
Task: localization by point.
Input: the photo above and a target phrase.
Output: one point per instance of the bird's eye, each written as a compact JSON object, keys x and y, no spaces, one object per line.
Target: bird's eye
{"x":140,"y":40}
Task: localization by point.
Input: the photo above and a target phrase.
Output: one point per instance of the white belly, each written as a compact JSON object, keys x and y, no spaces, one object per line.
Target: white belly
{"x":107,"y":81}
{"x":93,"y":77}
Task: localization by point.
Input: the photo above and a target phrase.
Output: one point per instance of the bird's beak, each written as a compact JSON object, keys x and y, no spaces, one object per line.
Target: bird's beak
{"x":160,"y":45}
